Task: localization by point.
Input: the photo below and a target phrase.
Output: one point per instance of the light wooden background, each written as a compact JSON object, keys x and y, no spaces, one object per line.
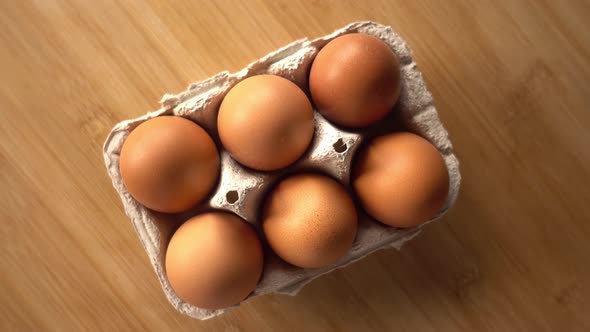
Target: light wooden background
{"x":511,"y":80}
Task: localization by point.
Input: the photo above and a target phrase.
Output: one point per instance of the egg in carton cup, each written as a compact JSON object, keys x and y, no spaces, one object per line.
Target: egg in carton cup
{"x":241,"y":190}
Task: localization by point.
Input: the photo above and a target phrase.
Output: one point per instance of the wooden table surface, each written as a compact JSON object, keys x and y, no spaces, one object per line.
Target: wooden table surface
{"x":511,"y":83}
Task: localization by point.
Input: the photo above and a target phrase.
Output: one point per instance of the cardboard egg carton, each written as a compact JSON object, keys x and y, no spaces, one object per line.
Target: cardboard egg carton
{"x":241,"y":190}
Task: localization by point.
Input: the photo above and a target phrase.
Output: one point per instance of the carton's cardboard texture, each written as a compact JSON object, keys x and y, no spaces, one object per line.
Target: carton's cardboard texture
{"x":241,"y":190}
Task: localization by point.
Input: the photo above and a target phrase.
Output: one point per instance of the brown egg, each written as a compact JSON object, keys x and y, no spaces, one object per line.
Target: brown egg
{"x":265,"y":122}
{"x":401,"y":179}
{"x":355,"y":80}
{"x":214,"y":260}
{"x":309,"y":220}
{"x":169,"y":164}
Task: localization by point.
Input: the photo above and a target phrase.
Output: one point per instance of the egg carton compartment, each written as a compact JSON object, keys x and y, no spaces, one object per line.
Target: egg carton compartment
{"x":241,"y":190}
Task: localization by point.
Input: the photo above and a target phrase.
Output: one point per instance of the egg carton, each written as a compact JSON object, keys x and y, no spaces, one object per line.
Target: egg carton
{"x":241,"y":190}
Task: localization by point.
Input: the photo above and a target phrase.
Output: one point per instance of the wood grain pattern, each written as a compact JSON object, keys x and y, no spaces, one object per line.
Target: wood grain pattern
{"x":510,"y":79}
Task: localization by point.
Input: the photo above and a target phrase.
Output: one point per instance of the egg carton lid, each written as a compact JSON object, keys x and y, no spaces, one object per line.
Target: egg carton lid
{"x":241,"y":190}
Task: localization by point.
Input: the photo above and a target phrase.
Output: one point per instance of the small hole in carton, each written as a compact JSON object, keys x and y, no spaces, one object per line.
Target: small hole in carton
{"x":340,"y":146}
{"x":232,"y":196}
